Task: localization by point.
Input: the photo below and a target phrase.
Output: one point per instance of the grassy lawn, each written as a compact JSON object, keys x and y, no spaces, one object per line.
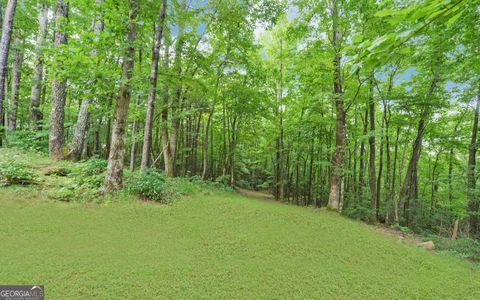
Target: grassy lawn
{"x":219,"y":246}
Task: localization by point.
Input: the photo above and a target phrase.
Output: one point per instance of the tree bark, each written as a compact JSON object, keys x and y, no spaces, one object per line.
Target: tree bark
{"x":4,"y":49}
{"x":80,"y":134}
{"x":166,"y":99}
{"x":135,"y":120}
{"x":394,"y":172}
{"x":113,"y":179}
{"x":361,"y":176}
{"x":147,"y":136}
{"x":134,"y":138}
{"x":388,"y":161}
{"x":338,"y":159}
{"x":56,"y":138}
{"x":471,"y":176}
{"x":35,"y":115}
{"x":371,"y":141}
{"x":281,"y":172}
{"x":16,"y":76}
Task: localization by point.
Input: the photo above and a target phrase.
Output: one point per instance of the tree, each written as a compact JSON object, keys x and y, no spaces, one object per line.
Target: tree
{"x":113,"y":178}
{"x":338,"y":159}
{"x":147,"y":136}
{"x":35,"y":115}
{"x":17,"y":73}
{"x":56,"y":139}
{"x":4,"y":49}
{"x":79,"y":136}
{"x":471,"y":175}
{"x":371,"y":140}
{"x":169,"y":139}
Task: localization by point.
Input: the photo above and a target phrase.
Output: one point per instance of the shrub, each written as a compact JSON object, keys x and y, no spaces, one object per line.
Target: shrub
{"x":15,"y":173}
{"x":221,"y":183}
{"x":36,"y":140}
{"x":466,"y":248}
{"x":360,"y":213}
{"x":90,"y":172}
{"x":243,"y":184}
{"x":152,"y":185}
{"x":93,"y":166}
{"x":66,"y":194}
{"x":222,"y":180}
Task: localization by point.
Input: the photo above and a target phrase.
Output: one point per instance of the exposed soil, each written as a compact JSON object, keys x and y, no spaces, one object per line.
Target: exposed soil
{"x":254,"y":194}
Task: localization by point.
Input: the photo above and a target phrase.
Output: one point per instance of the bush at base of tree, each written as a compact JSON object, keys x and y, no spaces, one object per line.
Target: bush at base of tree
{"x":152,"y":185}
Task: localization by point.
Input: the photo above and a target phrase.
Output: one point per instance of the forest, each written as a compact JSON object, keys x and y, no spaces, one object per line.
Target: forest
{"x":368,"y":109}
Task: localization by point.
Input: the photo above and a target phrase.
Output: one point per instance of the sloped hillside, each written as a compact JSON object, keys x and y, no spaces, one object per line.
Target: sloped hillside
{"x":221,"y":246}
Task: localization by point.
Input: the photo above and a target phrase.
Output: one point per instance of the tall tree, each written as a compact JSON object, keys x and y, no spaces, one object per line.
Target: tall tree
{"x":56,"y":139}
{"x":114,"y":176}
{"x":169,"y":139}
{"x":410,"y":184}
{"x":471,"y":175}
{"x":4,"y":49}
{"x":147,"y":137}
{"x":16,"y":76}
{"x":35,"y":114}
{"x":371,"y":140}
{"x":338,"y":159}
{"x":79,"y":136}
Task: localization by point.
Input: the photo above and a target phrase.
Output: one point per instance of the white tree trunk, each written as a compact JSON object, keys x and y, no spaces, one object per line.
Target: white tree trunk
{"x":4,"y":48}
{"x":35,"y":115}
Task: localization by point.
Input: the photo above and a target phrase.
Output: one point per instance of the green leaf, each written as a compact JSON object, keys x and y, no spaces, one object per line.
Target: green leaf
{"x":453,"y":19}
{"x":357,"y":39}
{"x":385,"y":13}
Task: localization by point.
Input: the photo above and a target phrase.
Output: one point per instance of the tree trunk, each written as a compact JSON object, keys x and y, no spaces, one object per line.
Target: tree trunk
{"x":371,"y":141}
{"x":281,"y":172}
{"x":4,"y":49}
{"x":409,"y":189}
{"x":471,"y":176}
{"x":233,"y":144}
{"x":170,"y":142}
{"x":35,"y":115}
{"x":134,"y":138}
{"x":209,"y":119}
{"x":394,"y":172}
{"x":434,"y":185}
{"x":335,"y":196}
{"x":388,"y":198}
{"x":16,"y":76}
{"x":56,"y":138}
{"x":113,"y":179}
{"x":80,"y":134}
{"x":167,"y":156}
{"x":147,"y":136}
{"x":108,"y":137}
{"x":379,"y":177}
{"x":361,"y":176}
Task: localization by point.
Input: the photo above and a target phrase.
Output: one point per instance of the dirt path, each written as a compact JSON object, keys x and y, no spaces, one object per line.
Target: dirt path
{"x":402,"y":236}
{"x":254,"y":194}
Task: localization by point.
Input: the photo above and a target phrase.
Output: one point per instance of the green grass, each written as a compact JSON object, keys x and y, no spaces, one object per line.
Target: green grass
{"x":220,"y":246}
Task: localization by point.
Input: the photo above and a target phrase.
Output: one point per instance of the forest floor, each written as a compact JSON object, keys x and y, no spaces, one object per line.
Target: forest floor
{"x":254,"y":194}
{"x":208,"y":246}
